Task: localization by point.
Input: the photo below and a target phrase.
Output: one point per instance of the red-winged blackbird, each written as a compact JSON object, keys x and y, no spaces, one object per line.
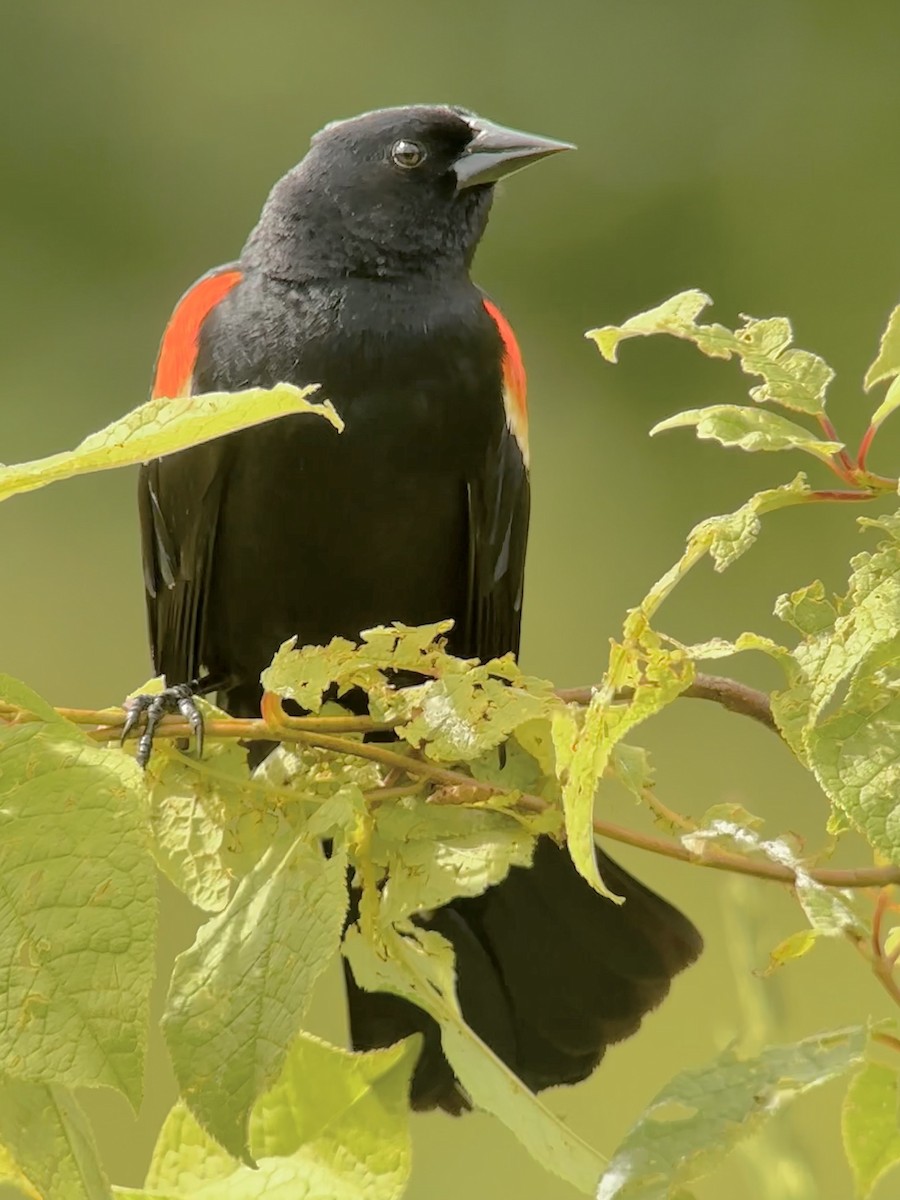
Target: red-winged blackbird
{"x":357,"y":278}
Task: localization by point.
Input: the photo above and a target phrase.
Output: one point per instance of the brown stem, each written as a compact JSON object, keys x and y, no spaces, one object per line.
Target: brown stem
{"x":886,"y":1039}
{"x":729,"y":693}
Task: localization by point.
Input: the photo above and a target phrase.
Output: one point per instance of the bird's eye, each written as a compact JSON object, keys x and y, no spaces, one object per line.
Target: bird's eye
{"x":407,"y":154}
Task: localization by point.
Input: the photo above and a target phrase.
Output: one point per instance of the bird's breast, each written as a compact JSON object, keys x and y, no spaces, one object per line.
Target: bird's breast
{"x":414,"y":367}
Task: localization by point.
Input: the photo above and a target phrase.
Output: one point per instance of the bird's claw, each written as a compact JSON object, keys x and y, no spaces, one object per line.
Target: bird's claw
{"x":152,"y":708}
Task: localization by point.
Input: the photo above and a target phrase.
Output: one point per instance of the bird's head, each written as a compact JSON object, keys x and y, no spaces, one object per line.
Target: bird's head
{"x":391,"y":192}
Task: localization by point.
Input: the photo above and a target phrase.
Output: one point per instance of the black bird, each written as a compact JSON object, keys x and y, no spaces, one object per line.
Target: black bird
{"x":357,"y":278}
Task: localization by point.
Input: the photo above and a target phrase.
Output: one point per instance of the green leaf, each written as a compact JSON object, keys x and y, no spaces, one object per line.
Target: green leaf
{"x":863,"y":621}
{"x":839,"y":711}
{"x":48,"y":1144}
{"x":656,"y":676}
{"x":237,"y":996}
{"x":692,"y":1124}
{"x":434,"y":853}
{"x":749,"y":429}
{"x":887,"y":362}
{"x":334,"y":1126}
{"x":855,"y":755}
{"x":162,"y":427}
{"x":77,"y":910}
{"x":418,"y":964}
{"x":792,"y":378}
{"x":870,"y":1123}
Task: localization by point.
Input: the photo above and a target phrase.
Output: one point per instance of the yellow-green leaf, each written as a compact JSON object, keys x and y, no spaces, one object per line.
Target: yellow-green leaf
{"x":47,"y":1149}
{"x":887,"y":361}
{"x":792,"y":378}
{"x":237,"y":996}
{"x":162,"y":427}
{"x":74,"y":1005}
{"x":749,"y":429}
{"x":888,"y":405}
{"x":334,"y":1126}
{"x":870,"y":1123}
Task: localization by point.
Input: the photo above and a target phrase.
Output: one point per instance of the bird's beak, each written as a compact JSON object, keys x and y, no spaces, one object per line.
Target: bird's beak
{"x":496,"y":152}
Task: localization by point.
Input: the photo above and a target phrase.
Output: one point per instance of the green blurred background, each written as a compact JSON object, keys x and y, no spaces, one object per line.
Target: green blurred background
{"x":747,"y":149}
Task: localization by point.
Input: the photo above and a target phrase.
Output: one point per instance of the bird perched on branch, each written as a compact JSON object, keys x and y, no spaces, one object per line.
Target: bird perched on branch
{"x":357,"y":278}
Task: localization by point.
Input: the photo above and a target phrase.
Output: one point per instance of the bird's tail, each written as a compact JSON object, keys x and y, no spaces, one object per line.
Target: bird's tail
{"x":549,"y":973}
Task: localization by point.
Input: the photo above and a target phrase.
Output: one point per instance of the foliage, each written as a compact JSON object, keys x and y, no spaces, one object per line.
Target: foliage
{"x":484,"y":759}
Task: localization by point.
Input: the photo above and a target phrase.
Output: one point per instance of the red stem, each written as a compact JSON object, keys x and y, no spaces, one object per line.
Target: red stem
{"x":831,"y":433}
{"x":840,"y":495}
{"x":864,"y":446}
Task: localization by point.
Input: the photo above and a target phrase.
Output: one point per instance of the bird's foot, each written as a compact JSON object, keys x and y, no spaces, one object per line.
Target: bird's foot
{"x":150,"y":709}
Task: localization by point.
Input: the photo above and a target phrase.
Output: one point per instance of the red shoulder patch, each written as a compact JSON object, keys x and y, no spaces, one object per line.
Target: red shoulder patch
{"x":515,"y":390}
{"x":178,"y":349}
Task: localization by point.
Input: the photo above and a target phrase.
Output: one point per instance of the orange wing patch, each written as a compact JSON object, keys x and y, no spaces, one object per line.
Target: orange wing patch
{"x":514,"y":383}
{"x":178,"y":349}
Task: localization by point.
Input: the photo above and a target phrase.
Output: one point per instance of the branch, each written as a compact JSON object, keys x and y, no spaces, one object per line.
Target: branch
{"x":729,"y":693}
{"x":715,"y":859}
{"x":324,"y":732}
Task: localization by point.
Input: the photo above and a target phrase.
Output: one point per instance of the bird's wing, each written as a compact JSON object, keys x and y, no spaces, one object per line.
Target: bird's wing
{"x":177,"y":548}
{"x":498,"y":505}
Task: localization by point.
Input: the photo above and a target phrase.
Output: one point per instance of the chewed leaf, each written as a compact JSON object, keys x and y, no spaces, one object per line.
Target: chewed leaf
{"x":161,"y":427}
{"x":432,"y":854}
{"x":725,"y":538}
{"x":792,"y":378}
{"x":749,"y":429}
{"x":677,"y":316}
{"x":692,"y":1124}
{"x":887,"y":363}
